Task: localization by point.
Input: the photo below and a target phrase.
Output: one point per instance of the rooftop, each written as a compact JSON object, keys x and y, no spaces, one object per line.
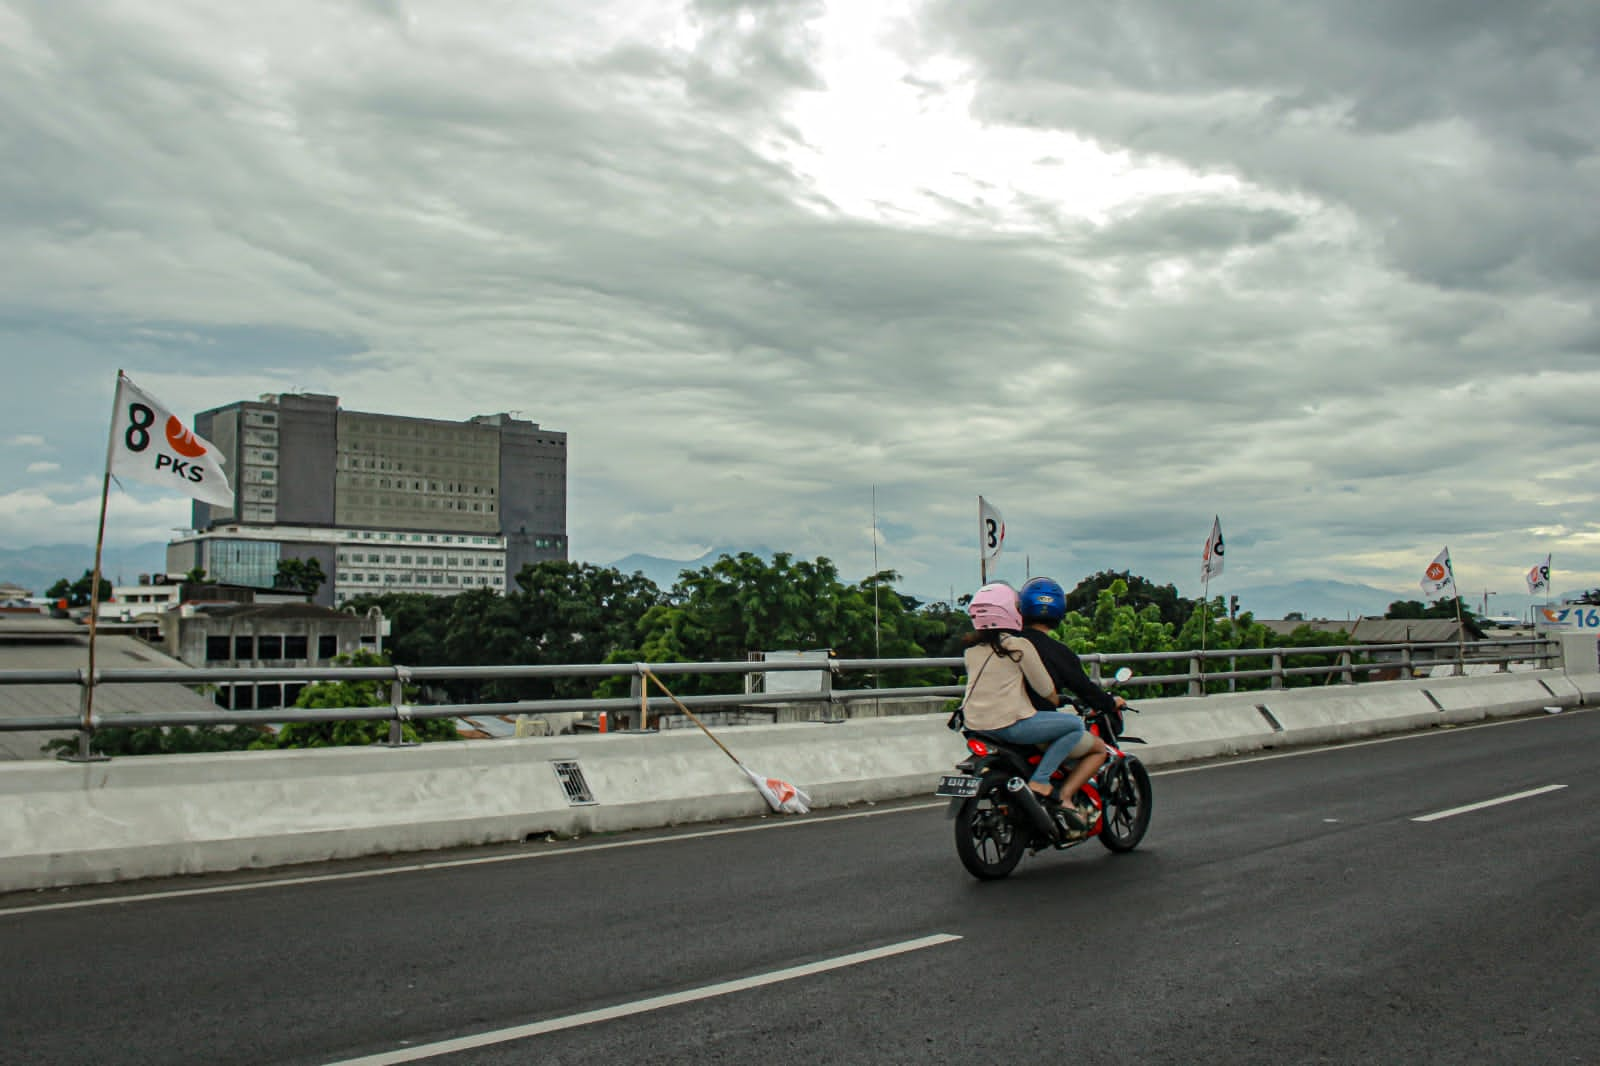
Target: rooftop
{"x":42,"y":643}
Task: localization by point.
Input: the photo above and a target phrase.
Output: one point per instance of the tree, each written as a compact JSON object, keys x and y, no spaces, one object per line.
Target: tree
{"x":742,"y":604}
{"x":354,"y":731}
{"x":77,"y":593}
{"x":560,"y":613}
{"x":196,"y":575}
{"x":300,"y":575}
{"x":1138,"y":593}
{"x":161,"y":740}
{"x":1444,"y":608}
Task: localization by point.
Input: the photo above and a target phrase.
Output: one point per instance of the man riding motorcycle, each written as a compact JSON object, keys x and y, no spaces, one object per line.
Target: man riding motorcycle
{"x":1042,"y":604}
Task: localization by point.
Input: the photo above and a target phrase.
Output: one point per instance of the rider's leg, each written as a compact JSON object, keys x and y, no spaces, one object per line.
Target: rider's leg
{"x":1059,"y":730}
{"x":1086,"y":768}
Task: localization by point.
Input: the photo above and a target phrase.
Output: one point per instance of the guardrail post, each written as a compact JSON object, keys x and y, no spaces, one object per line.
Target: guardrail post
{"x":1407,"y":671}
{"x":1095,"y":672}
{"x":1196,"y":676}
{"x":402,"y":713}
{"x":1277,"y":669}
{"x":1347,"y":676}
{"x":85,"y":723}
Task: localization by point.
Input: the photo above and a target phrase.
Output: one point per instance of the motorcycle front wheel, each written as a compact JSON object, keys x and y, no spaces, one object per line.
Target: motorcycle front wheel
{"x":989,"y":843}
{"x":1127,"y":796}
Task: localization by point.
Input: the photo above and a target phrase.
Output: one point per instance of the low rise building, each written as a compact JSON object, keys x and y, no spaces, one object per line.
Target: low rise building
{"x":277,"y":635}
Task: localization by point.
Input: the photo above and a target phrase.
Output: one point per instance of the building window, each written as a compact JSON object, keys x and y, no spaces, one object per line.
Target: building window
{"x":244,"y":648}
{"x":327,"y":646}
{"x":294,"y":647}
{"x":269,"y":648}
{"x":217,"y":649}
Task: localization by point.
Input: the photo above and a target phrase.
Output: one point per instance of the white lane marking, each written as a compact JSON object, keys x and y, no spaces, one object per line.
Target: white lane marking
{"x":446,"y":864}
{"x":1453,"y":811}
{"x":625,"y":1010}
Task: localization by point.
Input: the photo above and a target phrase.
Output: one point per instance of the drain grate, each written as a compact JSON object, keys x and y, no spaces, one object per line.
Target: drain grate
{"x":1277,"y":726}
{"x":570,"y":774}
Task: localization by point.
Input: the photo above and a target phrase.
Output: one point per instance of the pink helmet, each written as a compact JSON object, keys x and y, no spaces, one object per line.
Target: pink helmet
{"x":995,"y":607}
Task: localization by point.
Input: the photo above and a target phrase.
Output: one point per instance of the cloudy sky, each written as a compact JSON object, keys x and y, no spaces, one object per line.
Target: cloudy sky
{"x":1326,"y":268}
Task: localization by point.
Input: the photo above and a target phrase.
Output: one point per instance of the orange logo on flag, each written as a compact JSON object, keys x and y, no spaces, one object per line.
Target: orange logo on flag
{"x":182,"y":439}
{"x":1435,"y":571}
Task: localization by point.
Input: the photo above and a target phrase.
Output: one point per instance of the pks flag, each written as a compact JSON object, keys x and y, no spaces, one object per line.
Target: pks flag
{"x":1439,"y":579}
{"x":1539,"y":578}
{"x":150,"y":443}
{"x":780,"y":795}
{"x":991,"y":530}
{"x":1211,"y":558}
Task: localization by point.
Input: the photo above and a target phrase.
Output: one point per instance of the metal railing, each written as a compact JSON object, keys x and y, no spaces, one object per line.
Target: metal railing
{"x":1344,"y":665}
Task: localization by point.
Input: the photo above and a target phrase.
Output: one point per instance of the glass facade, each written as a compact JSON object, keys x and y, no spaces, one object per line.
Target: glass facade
{"x":244,"y":562}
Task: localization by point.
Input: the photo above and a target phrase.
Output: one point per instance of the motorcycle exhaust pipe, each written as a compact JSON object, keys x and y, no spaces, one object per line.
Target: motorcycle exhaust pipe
{"x":1023,"y":797}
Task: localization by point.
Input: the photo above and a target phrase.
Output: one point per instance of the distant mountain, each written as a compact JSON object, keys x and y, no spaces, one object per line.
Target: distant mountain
{"x":1338,"y":600}
{"x":664,"y":572}
{"x":39,"y":567}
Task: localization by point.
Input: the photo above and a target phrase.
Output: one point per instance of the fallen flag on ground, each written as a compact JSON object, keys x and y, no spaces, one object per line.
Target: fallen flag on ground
{"x":779,"y":794}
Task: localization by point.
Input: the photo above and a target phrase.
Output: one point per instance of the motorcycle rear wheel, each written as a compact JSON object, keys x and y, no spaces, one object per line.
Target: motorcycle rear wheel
{"x":988,"y":842}
{"x":1127,"y":797}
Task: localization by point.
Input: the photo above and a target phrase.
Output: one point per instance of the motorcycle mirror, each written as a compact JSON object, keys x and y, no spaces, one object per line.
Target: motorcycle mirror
{"x":1123,"y":674}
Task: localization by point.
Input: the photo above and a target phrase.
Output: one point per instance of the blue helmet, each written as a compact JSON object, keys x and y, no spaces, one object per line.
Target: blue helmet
{"x":1042,"y":600}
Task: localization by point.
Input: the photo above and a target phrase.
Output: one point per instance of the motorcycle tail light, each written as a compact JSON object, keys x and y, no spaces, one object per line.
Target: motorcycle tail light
{"x":978,"y":747}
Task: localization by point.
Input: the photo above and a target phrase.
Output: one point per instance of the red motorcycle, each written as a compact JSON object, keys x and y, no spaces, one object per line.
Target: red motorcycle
{"x":998,"y":818}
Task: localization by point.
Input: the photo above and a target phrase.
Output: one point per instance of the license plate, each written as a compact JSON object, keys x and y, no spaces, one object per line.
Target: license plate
{"x":957,"y":785}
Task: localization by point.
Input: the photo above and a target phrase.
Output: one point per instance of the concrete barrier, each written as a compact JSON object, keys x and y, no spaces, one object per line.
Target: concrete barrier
{"x":66,"y":823}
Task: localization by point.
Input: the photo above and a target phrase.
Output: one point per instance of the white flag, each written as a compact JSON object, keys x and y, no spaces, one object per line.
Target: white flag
{"x":1439,"y":580}
{"x":1211,"y":558}
{"x":1539,"y":578}
{"x":991,"y":530}
{"x":780,"y":795}
{"x":150,"y":443}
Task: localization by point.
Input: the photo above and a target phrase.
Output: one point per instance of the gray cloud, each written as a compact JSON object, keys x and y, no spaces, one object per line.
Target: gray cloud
{"x":1364,"y":324}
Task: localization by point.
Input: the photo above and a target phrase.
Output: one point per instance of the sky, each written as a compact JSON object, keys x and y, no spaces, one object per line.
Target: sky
{"x":815,"y":275}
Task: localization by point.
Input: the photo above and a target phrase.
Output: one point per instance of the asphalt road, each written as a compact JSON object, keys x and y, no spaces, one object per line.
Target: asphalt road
{"x":1282,"y":910}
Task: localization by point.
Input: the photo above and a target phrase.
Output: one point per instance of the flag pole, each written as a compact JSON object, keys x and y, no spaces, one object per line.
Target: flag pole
{"x":983,"y":558}
{"x":86,"y":725}
{"x":1205,"y":607}
{"x":1461,"y":626}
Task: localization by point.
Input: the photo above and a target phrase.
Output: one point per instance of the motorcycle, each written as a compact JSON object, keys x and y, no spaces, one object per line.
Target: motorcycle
{"x":998,"y":818}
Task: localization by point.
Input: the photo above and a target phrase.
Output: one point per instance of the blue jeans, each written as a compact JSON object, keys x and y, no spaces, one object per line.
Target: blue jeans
{"x":1059,"y":729}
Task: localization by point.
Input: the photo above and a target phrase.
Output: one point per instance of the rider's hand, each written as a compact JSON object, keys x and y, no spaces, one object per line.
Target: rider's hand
{"x":1121,"y":703}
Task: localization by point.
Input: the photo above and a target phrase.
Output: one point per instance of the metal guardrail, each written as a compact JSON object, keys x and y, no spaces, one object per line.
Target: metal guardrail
{"x":1346,"y":663}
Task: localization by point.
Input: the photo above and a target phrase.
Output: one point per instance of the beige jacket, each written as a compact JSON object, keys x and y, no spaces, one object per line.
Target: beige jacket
{"x":995,"y":694}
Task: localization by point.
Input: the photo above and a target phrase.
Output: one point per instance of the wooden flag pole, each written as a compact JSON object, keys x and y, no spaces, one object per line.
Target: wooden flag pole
{"x":692,"y":717}
{"x":86,"y":725}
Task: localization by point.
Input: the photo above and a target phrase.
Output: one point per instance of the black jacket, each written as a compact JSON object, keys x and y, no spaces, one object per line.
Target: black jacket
{"x":1066,"y":670}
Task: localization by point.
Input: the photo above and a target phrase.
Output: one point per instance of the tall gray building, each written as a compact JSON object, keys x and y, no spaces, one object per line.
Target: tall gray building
{"x":384,"y":503}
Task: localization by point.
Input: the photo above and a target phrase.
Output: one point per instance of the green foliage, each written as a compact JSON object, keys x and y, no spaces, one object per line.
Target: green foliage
{"x":158,"y":740}
{"x":560,"y":613}
{"x":330,"y":694}
{"x":1118,"y":627}
{"x":1445,"y":608}
{"x":196,"y":575}
{"x":1137,"y":592}
{"x":77,"y":593}
{"x":742,"y":604}
{"x":300,"y":575}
